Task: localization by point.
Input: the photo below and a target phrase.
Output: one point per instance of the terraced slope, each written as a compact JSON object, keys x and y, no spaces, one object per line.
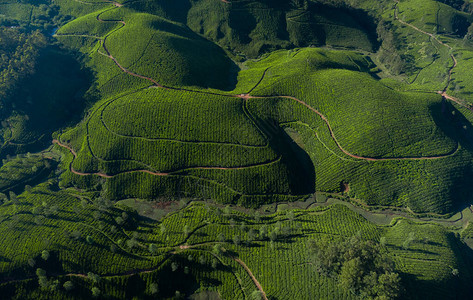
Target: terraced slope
{"x":130,"y":254}
{"x":164,"y":151}
{"x":163,"y":133}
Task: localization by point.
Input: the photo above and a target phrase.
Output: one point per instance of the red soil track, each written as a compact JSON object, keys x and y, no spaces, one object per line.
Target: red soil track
{"x":245,"y":97}
{"x":443,"y":93}
{"x":115,"y":60}
{"x":100,"y":173}
{"x":104,"y":175}
{"x":258,"y":285}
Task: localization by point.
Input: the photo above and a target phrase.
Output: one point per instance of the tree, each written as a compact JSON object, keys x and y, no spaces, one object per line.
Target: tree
{"x":382,"y":241}
{"x":263,"y":232}
{"x":217,"y":249}
{"x":351,"y":274}
{"x":54,"y":286}
{"x":251,"y":235}
{"x":76,"y":235}
{"x":97,"y":215}
{"x":153,"y":288}
{"x":45,"y":254}
{"x":90,"y":240}
{"x":120,"y":221}
{"x":186,"y":230}
{"x":131,"y":243}
{"x":257,"y":217}
{"x":153,"y":248}
{"x":68,"y":285}
{"x":40,"y":272}
{"x":39,"y":220}
{"x":95,"y":291}
{"x":362,"y":267}
{"x":236,"y":239}
{"x":13,"y":197}
{"x":410,"y":239}
{"x":31,"y":262}
{"x":214,"y":263}
{"x":256,"y":295}
{"x":178,"y":295}
{"x":43,"y":281}
{"x":290,"y":215}
{"x":174,"y":266}
{"x":94,"y":277}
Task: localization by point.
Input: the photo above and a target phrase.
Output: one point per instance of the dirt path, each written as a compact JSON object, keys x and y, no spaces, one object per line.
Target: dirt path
{"x":245,"y":97}
{"x":332,"y":134}
{"x":101,"y":174}
{"x":154,"y":82}
{"x":104,"y":175}
{"x":258,"y":285}
{"x":450,"y":70}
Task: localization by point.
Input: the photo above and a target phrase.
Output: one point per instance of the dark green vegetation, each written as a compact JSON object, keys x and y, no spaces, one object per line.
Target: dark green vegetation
{"x":243,"y":103}
{"x":361,"y":267}
{"x":96,"y":245}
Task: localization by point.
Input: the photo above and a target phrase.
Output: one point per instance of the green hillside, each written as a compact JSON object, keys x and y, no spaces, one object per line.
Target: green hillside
{"x":240,"y":149}
{"x":206,"y":253}
{"x":243,"y":152}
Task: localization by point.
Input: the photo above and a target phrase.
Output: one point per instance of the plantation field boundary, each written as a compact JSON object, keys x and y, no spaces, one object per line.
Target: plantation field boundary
{"x":332,"y":134}
{"x":173,"y":173}
{"x":320,"y":140}
{"x":247,"y":96}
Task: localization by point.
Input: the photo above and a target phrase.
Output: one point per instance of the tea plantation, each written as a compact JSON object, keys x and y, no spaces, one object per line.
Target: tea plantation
{"x":240,"y":149}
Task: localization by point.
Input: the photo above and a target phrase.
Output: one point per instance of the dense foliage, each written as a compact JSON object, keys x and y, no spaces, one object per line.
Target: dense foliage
{"x":18,"y":58}
{"x":363,"y":267}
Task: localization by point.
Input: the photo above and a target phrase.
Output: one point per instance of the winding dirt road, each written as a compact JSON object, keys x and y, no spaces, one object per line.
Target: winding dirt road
{"x":443,"y":93}
{"x":245,"y":98}
{"x":332,"y":134}
{"x":258,"y":285}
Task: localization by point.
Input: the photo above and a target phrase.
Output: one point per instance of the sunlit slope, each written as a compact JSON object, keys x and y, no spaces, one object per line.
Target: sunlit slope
{"x":388,"y":146}
{"x":149,"y":48}
{"x":391,"y":147}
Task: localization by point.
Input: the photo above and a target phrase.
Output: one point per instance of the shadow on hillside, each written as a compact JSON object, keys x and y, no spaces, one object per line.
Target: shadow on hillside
{"x":454,"y":124}
{"x":52,"y":98}
{"x":452,"y":286}
{"x":301,"y":171}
